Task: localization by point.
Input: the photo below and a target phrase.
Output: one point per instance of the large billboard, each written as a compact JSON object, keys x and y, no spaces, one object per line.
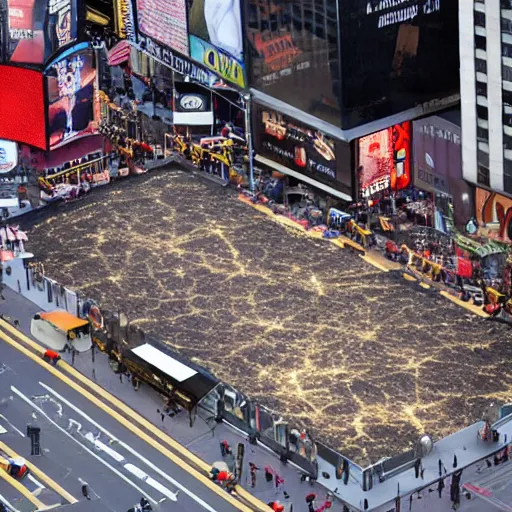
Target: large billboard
{"x":22,"y":112}
{"x":385,"y":160}
{"x":300,"y":148}
{"x":437,"y":155}
{"x":71,"y":82}
{"x":39,"y":28}
{"x":396,"y":55}
{"x":164,"y":21}
{"x":216,"y":38}
{"x":294,"y":54}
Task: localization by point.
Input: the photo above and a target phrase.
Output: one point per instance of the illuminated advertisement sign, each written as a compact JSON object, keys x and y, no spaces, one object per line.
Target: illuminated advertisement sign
{"x":385,"y":160}
{"x":71,"y":98}
{"x":300,"y":148}
{"x":124,"y":20}
{"x":22,"y":112}
{"x":295,"y":54}
{"x":216,"y":39}
{"x":437,"y":154}
{"x":165,"y":21}
{"x":169,"y":58}
{"x":8,"y":156}
{"x":492,"y":208}
{"x":219,"y":62}
{"x":38,"y":28}
{"x":397,"y":55}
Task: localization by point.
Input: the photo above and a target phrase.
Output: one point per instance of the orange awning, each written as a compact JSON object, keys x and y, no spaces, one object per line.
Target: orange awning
{"x":63,"y":320}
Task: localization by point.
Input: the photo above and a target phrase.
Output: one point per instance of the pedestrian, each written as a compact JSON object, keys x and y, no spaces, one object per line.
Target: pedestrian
{"x":224,"y":448}
{"x":253,"y":469}
{"x":279,"y":480}
{"x":162,"y":414}
{"x":276,"y":506}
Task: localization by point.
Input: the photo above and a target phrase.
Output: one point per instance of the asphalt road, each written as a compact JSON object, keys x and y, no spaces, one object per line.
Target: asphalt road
{"x":359,"y":357}
{"x":76,"y":450}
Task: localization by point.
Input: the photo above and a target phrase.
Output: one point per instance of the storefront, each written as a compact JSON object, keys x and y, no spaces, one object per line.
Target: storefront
{"x":437,"y":169}
{"x":413,"y":172}
{"x":300,"y":166}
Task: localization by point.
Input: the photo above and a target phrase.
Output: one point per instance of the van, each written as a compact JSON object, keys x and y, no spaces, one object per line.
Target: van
{"x":59,"y":329}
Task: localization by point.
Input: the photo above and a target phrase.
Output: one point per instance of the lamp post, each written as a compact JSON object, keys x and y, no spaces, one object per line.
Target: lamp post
{"x":4,"y":27}
{"x":248,"y":138}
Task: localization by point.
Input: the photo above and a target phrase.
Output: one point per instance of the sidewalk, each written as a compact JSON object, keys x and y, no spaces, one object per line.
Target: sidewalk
{"x":203,"y":439}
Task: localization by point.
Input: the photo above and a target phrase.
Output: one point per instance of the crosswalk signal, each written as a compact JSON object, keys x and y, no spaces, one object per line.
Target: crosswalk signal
{"x":34,"y":434}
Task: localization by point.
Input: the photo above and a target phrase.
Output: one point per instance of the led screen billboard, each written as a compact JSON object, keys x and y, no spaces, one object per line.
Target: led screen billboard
{"x":385,"y":160}
{"x":164,"y":21}
{"x":71,"y":83}
{"x":396,"y":55}
{"x":300,"y":148}
{"x":294,"y":54}
{"x":38,"y":28}
{"x":216,"y":39}
{"x":22,"y":112}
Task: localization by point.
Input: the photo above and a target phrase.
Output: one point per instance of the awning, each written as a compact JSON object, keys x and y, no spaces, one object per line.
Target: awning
{"x":63,"y":320}
{"x":119,"y":53}
{"x":306,"y":179}
{"x":167,"y":364}
{"x":169,"y":367}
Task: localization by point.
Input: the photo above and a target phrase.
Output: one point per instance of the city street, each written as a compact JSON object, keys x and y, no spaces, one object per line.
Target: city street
{"x":83,"y":444}
{"x":358,"y":356}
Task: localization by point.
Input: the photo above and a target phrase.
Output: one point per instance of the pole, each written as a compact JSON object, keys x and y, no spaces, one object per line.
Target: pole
{"x":248,"y":137}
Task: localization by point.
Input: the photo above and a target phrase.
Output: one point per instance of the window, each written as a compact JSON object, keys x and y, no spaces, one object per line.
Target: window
{"x":479,"y":19}
{"x":507,"y":73}
{"x":483,"y":177}
{"x":482,"y":134}
{"x":507,"y":141}
{"x":481,"y":66}
{"x":506,"y":97}
{"x":506,"y":26}
{"x":482,"y":112}
{"x":506,"y":50}
{"x":481,"y":89}
{"x":480,"y":42}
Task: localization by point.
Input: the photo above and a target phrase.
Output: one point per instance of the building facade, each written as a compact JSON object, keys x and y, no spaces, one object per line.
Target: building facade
{"x":486,"y":93}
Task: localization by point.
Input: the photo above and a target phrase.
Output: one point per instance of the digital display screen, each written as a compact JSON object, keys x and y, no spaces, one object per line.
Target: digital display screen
{"x":71,"y":83}
{"x":216,"y":39}
{"x":22,"y":117}
{"x":294,"y":54}
{"x":38,"y":28}
{"x":385,"y":160}
{"x":300,"y":148}
{"x":165,"y":21}
{"x":396,"y":55}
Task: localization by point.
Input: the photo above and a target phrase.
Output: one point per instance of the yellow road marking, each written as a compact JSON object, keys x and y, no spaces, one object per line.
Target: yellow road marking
{"x":42,"y":476}
{"x":123,"y":421}
{"x":407,"y":277}
{"x":127,"y":411}
{"x":22,"y":490}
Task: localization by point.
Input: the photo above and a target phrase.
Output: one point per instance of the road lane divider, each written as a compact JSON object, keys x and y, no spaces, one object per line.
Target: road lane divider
{"x":22,"y":490}
{"x":127,"y":411}
{"x":39,"y":474}
{"x":34,"y":406}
